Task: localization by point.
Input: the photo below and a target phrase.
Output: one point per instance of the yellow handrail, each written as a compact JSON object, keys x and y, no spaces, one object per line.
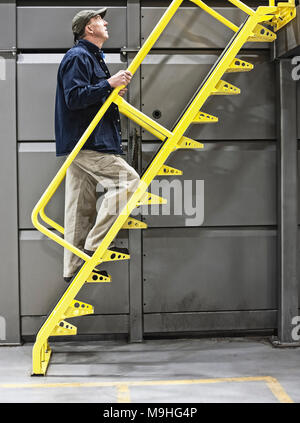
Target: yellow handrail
{"x":51,"y":222}
{"x":243,"y":7}
{"x":143,"y":120}
{"x":216,"y":15}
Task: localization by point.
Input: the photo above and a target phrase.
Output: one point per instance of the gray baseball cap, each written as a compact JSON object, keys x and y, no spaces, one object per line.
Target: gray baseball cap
{"x":81,"y":19}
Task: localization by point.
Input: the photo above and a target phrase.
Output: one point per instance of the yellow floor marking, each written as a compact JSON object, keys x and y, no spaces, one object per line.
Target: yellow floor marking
{"x":123,"y":392}
{"x":123,"y":387}
{"x":278,"y":390}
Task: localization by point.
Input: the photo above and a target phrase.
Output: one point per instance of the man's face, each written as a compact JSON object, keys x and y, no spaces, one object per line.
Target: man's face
{"x":99,"y":28}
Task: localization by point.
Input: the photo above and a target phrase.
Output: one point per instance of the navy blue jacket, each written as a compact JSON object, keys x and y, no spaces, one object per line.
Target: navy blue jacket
{"x":82,"y":88}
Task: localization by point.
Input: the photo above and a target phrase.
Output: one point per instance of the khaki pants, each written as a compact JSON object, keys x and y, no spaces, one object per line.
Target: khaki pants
{"x":84,"y":227}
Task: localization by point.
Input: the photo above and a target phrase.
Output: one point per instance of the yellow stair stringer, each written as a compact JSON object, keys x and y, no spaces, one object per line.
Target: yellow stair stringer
{"x":41,"y":349}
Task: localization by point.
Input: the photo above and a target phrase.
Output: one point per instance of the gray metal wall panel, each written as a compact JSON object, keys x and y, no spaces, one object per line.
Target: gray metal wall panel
{"x":206,"y":321}
{"x":7,"y":24}
{"x":170,"y":81}
{"x":54,"y":26}
{"x":37,"y":74}
{"x":134,"y":156}
{"x":209,"y":270}
{"x":37,"y":166}
{"x":288,"y":213}
{"x":298,"y":104}
{"x":91,"y":325}
{"x":42,"y":282}
{"x":230,"y":184}
{"x":191,"y":27}
{"x":9,"y":276}
{"x":298,"y":190}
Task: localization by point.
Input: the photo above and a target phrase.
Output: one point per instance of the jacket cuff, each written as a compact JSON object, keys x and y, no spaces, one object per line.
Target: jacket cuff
{"x":107,"y":87}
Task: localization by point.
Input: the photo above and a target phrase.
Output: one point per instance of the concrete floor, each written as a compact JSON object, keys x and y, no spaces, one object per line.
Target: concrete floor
{"x":174,"y":370}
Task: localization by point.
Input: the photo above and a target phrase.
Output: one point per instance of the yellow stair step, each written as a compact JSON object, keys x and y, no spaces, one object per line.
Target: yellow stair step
{"x":111,"y":255}
{"x":78,"y":308}
{"x":186,"y":142}
{"x":238,"y":65}
{"x":64,"y":328}
{"x":168,"y":170}
{"x":287,"y":12}
{"x":202,"y":117}
{"x":96,"y":277}
{"x":265,"y":19}
{"x":262,"y":34}
{"x":132,"y":223}
{"x":224,"y":88}
{"x":149,"y":198}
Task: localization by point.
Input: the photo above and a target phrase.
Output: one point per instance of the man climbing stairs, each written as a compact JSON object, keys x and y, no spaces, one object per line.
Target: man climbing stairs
{"x":260,"y":25}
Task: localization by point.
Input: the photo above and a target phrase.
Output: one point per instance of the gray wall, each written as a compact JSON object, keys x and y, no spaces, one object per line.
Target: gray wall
{"x":216,"y":273}
{"x":9,"y":269}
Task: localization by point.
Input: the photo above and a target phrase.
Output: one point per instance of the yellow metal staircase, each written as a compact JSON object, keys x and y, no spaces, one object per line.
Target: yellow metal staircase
{"x":256,"y":28}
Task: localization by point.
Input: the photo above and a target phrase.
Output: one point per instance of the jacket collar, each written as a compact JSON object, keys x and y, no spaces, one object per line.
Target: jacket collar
{"x":90,"y":46}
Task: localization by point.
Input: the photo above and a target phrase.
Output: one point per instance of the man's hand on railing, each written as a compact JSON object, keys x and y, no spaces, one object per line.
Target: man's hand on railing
{"x":123,"y":77}
{"x":122,"y":92}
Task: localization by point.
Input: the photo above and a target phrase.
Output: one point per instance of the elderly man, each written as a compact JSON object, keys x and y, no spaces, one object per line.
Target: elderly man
{"x":83,"y":85}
